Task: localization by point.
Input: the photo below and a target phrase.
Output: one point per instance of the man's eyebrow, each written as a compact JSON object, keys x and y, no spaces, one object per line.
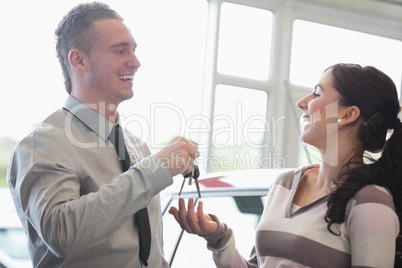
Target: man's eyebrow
{"x":123,"y":44}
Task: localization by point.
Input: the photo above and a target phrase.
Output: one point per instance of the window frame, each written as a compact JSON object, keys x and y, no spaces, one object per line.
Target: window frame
{"x":368,"y":16}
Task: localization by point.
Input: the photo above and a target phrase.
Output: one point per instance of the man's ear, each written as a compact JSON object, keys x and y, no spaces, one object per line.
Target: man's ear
{"x":349,"y":115}
{"x":77,"y":60}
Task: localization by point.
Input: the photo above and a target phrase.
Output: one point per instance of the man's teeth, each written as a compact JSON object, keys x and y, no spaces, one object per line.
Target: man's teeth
{"x":126,"y":77}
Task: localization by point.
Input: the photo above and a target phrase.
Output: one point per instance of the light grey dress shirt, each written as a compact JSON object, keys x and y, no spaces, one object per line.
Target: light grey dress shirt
{"x":75,"y":203}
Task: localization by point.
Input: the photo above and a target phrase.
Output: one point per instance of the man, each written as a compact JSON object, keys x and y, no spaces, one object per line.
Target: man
{"x":77,"y":203}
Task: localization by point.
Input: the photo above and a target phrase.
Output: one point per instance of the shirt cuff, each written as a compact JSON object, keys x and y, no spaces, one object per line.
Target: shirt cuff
{"x":157,"y":172}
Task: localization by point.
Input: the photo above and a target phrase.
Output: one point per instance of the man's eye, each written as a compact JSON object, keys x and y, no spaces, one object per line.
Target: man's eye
{"x":120,"y":51}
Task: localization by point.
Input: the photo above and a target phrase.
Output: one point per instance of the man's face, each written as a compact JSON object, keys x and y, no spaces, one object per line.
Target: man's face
{"x":112,"y":62}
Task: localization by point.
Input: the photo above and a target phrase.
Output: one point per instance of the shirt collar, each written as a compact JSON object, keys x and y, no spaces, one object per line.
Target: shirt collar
{"x":89,"y":117}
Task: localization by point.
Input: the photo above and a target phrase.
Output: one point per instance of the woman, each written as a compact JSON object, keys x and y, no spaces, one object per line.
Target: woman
{"x":342,"y":212}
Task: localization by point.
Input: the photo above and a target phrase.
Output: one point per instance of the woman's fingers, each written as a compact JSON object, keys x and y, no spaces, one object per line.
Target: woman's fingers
{"x":183,"y":216}
{"x":192,"y":218}
{"x":206,"y":223}
{"x":191,"y":221}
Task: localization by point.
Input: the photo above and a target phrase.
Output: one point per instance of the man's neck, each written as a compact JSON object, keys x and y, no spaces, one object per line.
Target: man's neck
{"x":105,"y":108}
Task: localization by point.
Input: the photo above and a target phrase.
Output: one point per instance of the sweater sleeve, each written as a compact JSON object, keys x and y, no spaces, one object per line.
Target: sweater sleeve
{"x":372,"y":227}
{"x":223,"y":246}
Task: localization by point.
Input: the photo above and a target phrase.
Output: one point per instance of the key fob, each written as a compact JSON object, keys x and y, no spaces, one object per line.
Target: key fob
{"x":195,"y":175}
{"x":196,"y":172}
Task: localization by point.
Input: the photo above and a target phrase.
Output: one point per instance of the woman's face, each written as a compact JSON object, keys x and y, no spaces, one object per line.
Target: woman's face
{"x":320,"y":114}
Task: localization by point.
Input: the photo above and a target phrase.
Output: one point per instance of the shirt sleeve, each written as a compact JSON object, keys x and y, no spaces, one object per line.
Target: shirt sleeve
{"x":48,"y":181}
{"x":372,"y":227}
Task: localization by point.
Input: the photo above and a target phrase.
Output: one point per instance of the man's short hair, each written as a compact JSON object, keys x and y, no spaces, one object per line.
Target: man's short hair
{"x":73,"y":31}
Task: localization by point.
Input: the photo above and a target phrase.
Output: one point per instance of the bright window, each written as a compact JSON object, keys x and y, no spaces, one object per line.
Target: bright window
{"x":245,"y":41}
{"x":317,"y":46}
{"x":239,"y":127}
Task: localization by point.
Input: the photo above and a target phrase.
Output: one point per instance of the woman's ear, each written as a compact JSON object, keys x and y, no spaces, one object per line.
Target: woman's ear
{"x":349,"y":115}
{"x":76,"y":59}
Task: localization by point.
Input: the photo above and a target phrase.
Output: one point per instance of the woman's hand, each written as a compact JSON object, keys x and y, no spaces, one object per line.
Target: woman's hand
{"x":194,"y":222}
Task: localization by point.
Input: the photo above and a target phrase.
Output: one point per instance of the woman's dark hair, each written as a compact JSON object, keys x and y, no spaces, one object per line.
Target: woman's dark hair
{"x":73,"y":31}
{"x":375,"y":94}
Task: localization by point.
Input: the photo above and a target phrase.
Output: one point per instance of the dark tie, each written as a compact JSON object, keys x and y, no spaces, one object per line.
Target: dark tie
{"x":117,"y":138}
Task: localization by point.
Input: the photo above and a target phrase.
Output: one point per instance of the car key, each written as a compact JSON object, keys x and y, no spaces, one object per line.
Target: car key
{"x":188,"y":175}
{"x":196,"y":174}
{"x":181,"y":188}
{"x":192,"y":175}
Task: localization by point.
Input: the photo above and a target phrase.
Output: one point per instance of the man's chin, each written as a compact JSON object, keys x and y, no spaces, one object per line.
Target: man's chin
{"x":126,"y":96}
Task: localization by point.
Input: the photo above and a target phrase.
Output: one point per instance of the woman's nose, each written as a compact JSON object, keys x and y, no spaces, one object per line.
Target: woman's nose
{"x":302,"y":103}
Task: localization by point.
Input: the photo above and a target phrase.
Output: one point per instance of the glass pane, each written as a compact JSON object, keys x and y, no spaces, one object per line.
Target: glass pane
{"x":317,"y":46}
{"x":244,"y":41}
{"x":239,"y":127}
{"x":168,"y":86}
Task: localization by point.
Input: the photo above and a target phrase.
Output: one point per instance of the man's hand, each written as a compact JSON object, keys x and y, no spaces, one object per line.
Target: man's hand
{"x":179,"y":155}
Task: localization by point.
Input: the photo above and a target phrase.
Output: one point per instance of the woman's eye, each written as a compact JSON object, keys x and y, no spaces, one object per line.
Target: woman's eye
{"x":316,"y":95}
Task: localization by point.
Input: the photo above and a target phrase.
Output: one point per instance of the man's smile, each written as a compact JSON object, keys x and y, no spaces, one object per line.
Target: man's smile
{"x":126,"y":77}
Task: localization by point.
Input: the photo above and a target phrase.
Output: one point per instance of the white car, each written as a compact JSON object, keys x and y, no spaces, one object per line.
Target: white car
{"x":13,"y":243}
{"x":236,"y":197}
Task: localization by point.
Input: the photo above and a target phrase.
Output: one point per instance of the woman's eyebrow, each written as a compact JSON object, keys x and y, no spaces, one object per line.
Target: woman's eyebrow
{"x":319,"y":86}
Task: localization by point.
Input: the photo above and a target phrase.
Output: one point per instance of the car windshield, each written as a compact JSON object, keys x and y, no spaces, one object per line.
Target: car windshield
{"x":11,"y":240}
